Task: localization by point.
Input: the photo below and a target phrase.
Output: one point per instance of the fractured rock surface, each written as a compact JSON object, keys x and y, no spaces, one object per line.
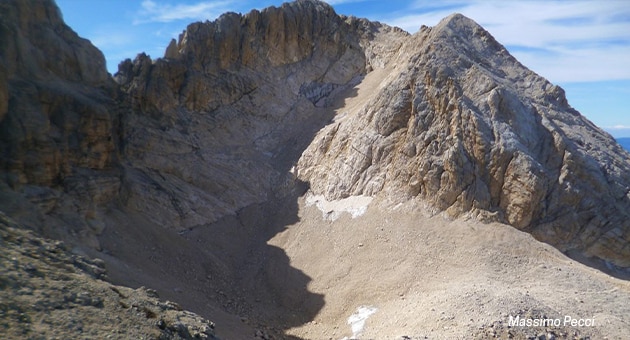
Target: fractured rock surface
{"x":460,"y":124}
{"x":49,"y":292}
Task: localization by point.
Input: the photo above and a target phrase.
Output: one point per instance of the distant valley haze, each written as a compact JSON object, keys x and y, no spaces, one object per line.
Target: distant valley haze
{"x":625,"y":142}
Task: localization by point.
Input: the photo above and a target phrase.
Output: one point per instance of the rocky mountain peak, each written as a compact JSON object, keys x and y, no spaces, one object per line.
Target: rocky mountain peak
{"x":465,"y":127}
{"x":468,"y":38}
{"x":271,"y":37}
{"x":33,"y":24}
{"x":276,"y":37}
{"x":450,"y":118}
{"x":457,"y":24}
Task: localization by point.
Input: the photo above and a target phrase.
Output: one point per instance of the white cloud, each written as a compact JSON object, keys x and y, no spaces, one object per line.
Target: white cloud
{"x":563,"y":41}
{"x":618,"y":127}
{"x":579,"y":64}
{"x":110,"y":39}
{"x":153,"y":11}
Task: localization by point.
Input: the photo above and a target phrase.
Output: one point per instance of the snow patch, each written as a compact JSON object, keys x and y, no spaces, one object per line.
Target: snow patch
{"x":357,"y":320}
{"x":332,"y":210}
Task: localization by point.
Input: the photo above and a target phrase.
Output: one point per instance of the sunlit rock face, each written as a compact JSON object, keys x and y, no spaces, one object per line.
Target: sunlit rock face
{"x":460,"y":124}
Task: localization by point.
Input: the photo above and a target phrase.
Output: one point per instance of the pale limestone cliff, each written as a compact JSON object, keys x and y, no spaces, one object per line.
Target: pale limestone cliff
{"x":217,"y":125}
{"x":460,"y":124}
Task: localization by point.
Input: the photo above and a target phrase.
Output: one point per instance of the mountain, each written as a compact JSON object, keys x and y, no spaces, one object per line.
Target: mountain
{"x":460,"y":124}
{"x":202,"y":175}
{"x":625,"y":142}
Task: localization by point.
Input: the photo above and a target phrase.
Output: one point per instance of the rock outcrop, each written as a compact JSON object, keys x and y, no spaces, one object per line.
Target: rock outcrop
{"x":58,"y":123}
{"x":49,"y":292}
{"x":51,"y":124}
{"x":461,"y":125}
{"x":218,"y":122}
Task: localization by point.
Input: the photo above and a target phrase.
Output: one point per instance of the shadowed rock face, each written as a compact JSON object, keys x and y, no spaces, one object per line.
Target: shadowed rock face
{"x":58,"y":124}
{"x":55,"y":94}
{"x":244,"y":112}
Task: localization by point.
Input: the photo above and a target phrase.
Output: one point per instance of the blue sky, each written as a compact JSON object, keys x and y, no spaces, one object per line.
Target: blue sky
{"x":583,"y":46}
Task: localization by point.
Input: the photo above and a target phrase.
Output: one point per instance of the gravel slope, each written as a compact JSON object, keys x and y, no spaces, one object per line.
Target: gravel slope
{"x":431,"y":277}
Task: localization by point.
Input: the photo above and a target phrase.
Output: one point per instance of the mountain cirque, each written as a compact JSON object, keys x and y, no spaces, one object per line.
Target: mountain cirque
{"x":200,"y":175}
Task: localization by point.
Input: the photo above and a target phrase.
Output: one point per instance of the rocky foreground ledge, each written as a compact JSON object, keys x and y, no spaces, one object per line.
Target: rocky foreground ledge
{"x":46,"y":292}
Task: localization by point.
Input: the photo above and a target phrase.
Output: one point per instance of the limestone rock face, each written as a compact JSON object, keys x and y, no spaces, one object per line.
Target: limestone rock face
{"x":461,"y":125}
{"x":218,"y":122}
{"x":49,"y":121}
{"x":58,"y":121}
{"x":213,"y":63}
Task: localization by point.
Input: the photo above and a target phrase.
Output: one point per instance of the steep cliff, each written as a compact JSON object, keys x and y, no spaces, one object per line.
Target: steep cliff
{"x":58,"y":124}
{"x":50,"y":123}
{"x":219,"y":121}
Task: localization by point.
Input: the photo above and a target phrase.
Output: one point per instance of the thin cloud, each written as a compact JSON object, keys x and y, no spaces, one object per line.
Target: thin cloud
{"x":152,"y":11}
{"x":578,"y":64}
{"x":618,"y":127}
{"x":618,"y":131}
{"x":111,"y":39}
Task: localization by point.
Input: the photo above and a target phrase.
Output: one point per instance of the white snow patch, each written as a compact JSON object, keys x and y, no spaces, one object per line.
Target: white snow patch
{"x":332,"y":210}
{"x":357,"y":320}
